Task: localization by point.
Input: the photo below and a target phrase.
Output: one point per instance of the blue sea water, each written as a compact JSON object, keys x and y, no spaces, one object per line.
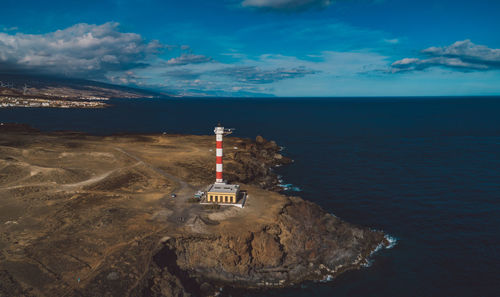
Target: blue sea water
{"x":424,"y":170}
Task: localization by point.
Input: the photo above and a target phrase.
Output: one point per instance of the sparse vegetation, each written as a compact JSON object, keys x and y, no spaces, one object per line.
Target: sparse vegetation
{"x":214,"y":206}
{"x":193,"y":200}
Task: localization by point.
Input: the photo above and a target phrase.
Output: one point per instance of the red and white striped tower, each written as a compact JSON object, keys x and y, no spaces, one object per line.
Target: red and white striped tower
{"x":219,"y":133}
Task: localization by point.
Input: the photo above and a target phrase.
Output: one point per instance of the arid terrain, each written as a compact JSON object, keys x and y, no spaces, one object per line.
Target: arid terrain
{"x":84,"y":215}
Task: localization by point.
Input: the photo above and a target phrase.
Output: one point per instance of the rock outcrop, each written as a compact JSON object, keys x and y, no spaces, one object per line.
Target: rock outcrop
{"x":302,"y":243}
{"x":254,"y":164}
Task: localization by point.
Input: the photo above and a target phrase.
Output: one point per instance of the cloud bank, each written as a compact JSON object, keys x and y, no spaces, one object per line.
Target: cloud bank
{"x":103,"y":52}
{"x":186,"y":59}
{"x":461,"y":55}
{"x":286,"y":5}
{"x":226,"y":79}
{"x":82,"y":50}
{"x":255,"y":75}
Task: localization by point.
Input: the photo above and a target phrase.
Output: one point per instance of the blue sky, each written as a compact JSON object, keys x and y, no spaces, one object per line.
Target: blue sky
{"x":261,"y":47}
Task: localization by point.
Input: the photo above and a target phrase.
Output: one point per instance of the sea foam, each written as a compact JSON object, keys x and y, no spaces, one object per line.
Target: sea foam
{"x":287,"y":187}
{"x":392,"y":243}
{"x":290,"y":187}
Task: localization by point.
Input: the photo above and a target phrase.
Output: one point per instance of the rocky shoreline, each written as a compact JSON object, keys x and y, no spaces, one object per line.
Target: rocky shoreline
{"x":318,"y":247}
{"x":254,"y":163}
{"x":121,"y":235}
{"x":304,"y":244}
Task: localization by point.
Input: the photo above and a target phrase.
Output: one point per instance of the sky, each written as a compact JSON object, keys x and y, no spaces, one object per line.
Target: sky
{"x":260,"y":47}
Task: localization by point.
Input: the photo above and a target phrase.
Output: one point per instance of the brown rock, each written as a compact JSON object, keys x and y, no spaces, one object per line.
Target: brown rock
{"x":266,"y":250}
{"x":260,"y":140}
{"x":302,"y":238}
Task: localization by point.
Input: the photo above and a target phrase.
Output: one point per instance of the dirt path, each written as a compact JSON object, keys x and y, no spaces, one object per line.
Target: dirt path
{"x":183,"y":211}
{"x":96,"y":179}
{"x":181,"y":184}
{"x":88,"y":181}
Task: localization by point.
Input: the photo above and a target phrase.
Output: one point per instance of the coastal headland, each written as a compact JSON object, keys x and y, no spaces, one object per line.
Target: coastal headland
{"x":84,"y":215}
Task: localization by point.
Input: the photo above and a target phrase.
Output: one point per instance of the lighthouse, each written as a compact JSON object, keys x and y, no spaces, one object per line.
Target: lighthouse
{"x":219,"y":135}
{"x":221,"y":192}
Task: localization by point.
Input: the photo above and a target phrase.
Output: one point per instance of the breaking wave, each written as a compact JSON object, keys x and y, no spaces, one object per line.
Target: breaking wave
{"x":392,"y":243}
{"x":287,"y":187}
{"x":290,"y":187}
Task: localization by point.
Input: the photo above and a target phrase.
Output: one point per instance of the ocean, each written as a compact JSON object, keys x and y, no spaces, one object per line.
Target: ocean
{"x":424,"y":170}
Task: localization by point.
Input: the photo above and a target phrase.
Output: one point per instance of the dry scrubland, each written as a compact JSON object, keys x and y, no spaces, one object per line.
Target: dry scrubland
{"x":84,"y":215}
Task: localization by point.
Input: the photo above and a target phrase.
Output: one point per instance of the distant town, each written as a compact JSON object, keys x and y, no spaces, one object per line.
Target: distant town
{"x":11,"y":101}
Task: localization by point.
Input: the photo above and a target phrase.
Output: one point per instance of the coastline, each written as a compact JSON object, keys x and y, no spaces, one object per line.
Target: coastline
{"x":294,"y":240}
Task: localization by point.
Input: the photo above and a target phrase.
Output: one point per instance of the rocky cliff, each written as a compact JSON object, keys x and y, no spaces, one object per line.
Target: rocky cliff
{"x":302,"y":243}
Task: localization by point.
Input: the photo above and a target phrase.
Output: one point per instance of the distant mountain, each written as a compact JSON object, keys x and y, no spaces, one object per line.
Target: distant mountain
{"x":56,"y":87}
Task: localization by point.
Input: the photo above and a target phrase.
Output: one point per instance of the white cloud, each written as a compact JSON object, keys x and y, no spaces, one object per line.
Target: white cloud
{"x":80,"y":50}
{"x":7,"y":29}
{"x":461,"y":55}
{"x":392,"y":41}
{"x":255,"y":75}
{"x":186,"y":59}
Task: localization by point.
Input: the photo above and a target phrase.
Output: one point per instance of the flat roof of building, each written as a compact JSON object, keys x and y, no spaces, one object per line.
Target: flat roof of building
{"x":223,"y":188}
